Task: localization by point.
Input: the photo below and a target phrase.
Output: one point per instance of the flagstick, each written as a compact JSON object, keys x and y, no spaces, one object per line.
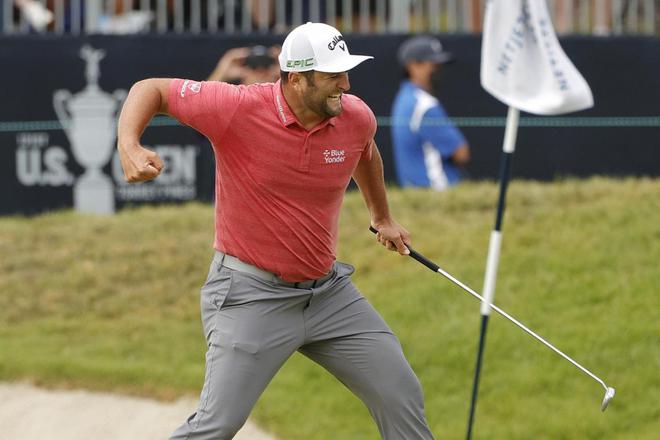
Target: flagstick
{"x":490,"y":278}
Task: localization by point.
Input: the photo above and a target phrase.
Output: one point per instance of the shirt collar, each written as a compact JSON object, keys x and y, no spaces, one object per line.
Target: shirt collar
{"x":284,"y":113}
{"x":410,"y":85}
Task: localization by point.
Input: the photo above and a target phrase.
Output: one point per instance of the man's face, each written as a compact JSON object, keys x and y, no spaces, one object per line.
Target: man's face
{"x":436,"y":78}
{"x":322,"y":92}
{"x":426,"y":73}
{"x":429,"y":68}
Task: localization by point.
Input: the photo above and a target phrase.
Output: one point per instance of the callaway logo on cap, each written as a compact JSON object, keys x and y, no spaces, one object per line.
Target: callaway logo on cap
{"x":317,"y":46}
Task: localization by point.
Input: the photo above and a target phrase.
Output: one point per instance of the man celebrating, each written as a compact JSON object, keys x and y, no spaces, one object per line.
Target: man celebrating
{"x":285,"y":153}
{"x":429,"y":151}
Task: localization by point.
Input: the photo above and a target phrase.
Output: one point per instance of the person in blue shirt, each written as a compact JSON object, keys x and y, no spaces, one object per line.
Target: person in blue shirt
{"x":429,"y":151}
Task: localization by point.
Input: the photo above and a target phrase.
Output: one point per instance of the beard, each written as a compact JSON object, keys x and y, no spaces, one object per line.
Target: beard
{"x":319,"y":104}
{"x":321,"y":107}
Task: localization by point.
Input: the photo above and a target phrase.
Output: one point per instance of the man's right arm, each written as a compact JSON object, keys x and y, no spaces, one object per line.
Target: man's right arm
{"x":145,"y":99}
{"x":447,"y":139}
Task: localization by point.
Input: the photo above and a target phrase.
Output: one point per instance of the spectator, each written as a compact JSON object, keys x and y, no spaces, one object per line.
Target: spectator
{"x":36,"y":14}
{"x":428,"y":150}
{"x":264,"y":15}
{"x":362,"y":17}
{"x":247,"y":65}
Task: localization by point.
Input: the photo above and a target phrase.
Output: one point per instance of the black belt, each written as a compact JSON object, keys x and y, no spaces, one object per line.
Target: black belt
{"x":234,"y":263}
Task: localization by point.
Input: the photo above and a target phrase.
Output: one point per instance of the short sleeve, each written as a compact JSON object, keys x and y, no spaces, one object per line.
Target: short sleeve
{"x":207,"y":106}
{"x":436,"y":129}
{"x":372,"y":125}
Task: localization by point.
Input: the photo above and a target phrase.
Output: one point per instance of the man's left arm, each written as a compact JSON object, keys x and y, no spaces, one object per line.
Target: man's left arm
{"x":369,"y":177}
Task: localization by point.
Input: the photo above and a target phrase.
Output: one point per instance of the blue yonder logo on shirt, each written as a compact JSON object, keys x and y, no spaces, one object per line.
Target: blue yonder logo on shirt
{"x":334,"y":156}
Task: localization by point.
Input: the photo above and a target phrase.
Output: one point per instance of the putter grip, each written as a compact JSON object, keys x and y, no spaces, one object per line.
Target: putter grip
{"x":416,"y":255}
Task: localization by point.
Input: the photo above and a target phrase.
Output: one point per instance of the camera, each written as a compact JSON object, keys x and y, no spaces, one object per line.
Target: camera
{"x":259,"y":58}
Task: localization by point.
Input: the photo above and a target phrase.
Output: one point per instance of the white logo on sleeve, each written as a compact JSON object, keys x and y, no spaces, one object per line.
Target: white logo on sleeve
{"x":193,"y":86}
{"x":334,"y":156}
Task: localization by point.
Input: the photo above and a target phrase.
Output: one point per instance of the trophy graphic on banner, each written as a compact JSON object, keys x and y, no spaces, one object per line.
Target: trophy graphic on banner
{"x":89,"y":120}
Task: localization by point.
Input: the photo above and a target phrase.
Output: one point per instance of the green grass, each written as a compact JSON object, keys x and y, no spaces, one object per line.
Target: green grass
{"x":112,"y":304}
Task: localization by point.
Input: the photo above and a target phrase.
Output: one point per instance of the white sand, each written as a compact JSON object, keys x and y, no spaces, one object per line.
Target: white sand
{"x":30,"y":413}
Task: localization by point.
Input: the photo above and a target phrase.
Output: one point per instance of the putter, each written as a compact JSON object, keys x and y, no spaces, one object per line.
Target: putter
{"x":609,"y":391}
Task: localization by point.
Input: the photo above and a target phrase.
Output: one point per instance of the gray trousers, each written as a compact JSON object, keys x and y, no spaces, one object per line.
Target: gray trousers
{"x":253,"y":326}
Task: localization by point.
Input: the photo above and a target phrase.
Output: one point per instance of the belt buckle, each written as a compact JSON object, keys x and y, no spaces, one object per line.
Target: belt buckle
{"x":305,"y":284}
{"x":310,"y":284}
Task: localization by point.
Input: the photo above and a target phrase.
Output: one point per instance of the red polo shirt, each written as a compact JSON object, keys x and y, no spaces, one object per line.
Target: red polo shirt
{"x":279,"y":187}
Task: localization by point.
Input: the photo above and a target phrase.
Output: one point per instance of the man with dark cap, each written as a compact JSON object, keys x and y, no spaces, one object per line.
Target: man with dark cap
{"x":247,"y":65}
{"x":429,"y":150}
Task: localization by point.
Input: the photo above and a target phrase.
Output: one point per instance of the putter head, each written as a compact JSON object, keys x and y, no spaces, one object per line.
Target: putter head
{"x":609,"y":395}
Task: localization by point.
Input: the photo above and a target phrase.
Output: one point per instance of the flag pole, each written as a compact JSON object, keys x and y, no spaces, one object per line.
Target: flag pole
{"x":490,"y":278}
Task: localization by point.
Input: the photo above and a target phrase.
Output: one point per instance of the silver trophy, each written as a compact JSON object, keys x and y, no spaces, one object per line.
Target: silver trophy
{"x":89,"y":120}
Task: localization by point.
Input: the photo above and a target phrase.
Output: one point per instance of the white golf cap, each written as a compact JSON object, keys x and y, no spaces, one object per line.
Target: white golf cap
{"x":317,"y":46}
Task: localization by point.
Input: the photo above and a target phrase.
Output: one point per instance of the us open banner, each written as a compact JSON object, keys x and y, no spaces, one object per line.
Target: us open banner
{"x":65,"y":155}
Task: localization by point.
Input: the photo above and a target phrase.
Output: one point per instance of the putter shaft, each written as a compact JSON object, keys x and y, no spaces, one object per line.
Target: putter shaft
{"x":521,"y":325}
{"x":435,"y":268}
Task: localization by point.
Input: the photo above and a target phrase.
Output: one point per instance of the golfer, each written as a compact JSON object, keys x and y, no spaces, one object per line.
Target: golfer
{"x":285,"y":153}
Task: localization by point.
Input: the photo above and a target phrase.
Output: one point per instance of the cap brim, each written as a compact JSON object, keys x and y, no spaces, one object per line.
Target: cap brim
{"x":345,"y":64}
{"x":442,"y":57}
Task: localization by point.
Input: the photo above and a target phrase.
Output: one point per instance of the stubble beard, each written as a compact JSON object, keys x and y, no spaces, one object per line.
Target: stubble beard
{"x":329,"y":111}
{"x":321,"y":107}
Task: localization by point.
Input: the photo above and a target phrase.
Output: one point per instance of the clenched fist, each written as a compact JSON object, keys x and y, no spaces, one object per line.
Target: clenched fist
{"x":139,"y":164}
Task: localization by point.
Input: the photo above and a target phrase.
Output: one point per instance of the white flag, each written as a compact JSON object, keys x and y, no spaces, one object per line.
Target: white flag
{"x":522,"y":63}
